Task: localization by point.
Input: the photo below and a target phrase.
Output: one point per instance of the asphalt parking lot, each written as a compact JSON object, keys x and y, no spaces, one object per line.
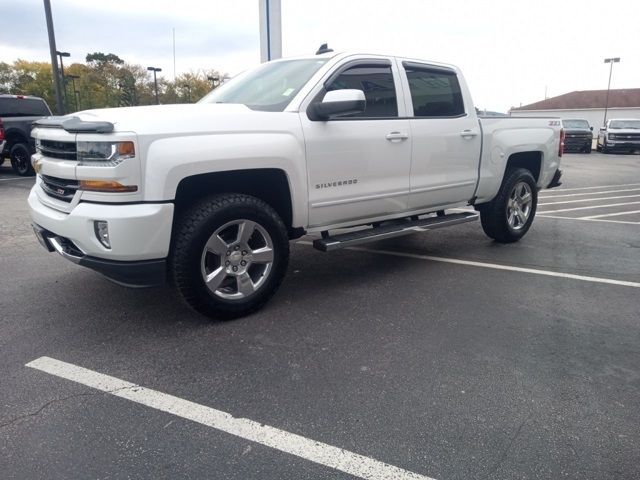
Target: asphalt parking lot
{"x":440,"y":355}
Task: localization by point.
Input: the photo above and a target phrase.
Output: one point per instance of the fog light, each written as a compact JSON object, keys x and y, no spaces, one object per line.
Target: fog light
{"x":101,"y":227}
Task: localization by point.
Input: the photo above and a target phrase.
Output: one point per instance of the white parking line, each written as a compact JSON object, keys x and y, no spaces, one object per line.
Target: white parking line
{"x":593,"y":188}
{"x":587,"y":219}
{"x":589,"y":207}
{"x":606,"y":192}
{"x":318,"y":452}
{"x":588,"y":200}
{"x":495,"y":266}
{"x":617,"y":214}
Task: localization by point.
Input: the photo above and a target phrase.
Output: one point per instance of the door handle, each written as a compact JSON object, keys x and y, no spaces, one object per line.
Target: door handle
{"x":468,"y":133}
{"x":393,"y":136}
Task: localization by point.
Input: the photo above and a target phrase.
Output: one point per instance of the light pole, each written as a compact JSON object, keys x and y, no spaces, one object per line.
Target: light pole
{"x":214,"y":81}
{"x":54,"y":59}
{"x":73,"y":82}
{"x":155,"y":81}
{"x":64,"y":84}
{"x":611,"y":61}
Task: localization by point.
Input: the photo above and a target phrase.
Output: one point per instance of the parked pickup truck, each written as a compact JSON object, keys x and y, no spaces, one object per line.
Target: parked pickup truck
{"x":209,"y":195}
{"x":17,"y":113}
{"x":619,"y":134}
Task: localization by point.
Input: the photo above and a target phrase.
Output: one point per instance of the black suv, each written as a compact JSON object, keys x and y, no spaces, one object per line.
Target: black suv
{"x":578,"y":135}
{"x":17,"y":113}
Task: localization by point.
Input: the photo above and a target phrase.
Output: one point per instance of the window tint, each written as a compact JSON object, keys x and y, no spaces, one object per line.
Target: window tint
{"x":23,"y":107}
{"x":434,"y":93}
{"x":376,"y":81}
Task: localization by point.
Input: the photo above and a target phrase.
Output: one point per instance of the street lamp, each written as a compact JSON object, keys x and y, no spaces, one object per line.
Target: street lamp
{"x":64,"y":85}
{"x":188,"y":87}
{"x":611,"y":61}
{"x":214,"y":81}
{"x":73,"y":81}
{"x":155,"y":81}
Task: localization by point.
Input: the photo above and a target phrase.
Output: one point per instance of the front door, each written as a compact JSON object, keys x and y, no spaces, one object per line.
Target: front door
{"x":358,"y":166}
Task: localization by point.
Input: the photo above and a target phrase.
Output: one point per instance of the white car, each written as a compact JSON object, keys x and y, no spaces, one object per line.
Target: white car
{"x":209,"y":195}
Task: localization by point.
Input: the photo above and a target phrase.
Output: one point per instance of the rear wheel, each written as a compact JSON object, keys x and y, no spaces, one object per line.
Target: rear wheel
{"x":229,"y":256}
{"x":21,"y":160}
{"x":508,"y":217}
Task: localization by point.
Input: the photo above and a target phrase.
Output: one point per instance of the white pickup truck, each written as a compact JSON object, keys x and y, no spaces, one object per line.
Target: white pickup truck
{"x":208,"y":196}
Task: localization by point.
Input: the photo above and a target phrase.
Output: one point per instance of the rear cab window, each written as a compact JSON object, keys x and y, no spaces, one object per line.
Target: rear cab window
{"x":23,"y":107}
{"x":435,"y":91}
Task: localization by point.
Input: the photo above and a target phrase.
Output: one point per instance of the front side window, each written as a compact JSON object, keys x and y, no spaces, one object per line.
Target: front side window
{"x":434,"y":93}
{"x":376,"y":81}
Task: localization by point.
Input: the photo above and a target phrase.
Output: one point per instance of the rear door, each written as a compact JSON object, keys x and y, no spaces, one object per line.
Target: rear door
{"x":358,"y":166}
{"x":446,"y":136}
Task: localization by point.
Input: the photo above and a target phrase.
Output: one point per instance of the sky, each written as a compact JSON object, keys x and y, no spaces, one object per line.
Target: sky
{"x":510,"y":52}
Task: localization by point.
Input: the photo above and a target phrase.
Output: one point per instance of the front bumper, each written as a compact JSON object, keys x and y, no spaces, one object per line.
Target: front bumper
{"x":144,"y":273}
{"x":622,"y":145}
{"x":140,"y":235}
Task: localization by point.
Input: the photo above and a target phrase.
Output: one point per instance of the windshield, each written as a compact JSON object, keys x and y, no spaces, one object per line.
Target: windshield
{"x":625,"y":124}
{"x":269,"y":87}
{"x":575,"y":124}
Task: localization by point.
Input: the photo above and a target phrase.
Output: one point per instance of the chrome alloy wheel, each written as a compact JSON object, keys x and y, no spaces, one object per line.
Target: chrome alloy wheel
{"x":519,"y":205}
{"x":237,"y":259}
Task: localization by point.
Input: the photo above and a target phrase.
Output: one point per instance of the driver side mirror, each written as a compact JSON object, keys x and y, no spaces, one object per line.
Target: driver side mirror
{"x":338,"y":103}
{"x":591,"y":128}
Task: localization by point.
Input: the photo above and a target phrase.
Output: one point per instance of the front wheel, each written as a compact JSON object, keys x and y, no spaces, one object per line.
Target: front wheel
{"x":229,"y":255}
{"x":508,"y":217}
{"x":21,"y":160}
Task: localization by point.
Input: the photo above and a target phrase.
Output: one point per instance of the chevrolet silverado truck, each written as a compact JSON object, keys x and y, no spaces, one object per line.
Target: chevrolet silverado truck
{"x":619,"y":135}
{"x":208,"y":196}
{"x":578,"y":135}
{"x":17,"y":114}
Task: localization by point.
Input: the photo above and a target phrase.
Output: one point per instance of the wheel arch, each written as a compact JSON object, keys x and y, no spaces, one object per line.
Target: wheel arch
{"x":271,"y":185}
{"x":529,"y":160}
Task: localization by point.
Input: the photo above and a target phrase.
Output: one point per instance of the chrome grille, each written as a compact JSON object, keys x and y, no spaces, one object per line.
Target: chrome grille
{"x":60,"y":188}
{"x":55,"y":149}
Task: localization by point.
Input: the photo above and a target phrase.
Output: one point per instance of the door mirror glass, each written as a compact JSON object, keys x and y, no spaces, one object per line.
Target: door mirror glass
{"x":337,"y":103}
{"x":591,"y":128}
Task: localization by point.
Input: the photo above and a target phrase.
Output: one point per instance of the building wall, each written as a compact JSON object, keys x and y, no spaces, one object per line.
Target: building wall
{"x":594,"y":116}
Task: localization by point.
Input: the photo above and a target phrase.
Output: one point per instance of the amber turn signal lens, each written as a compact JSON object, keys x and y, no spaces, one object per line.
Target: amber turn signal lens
{"x":126,"y":149}
{"x":106,"y":186}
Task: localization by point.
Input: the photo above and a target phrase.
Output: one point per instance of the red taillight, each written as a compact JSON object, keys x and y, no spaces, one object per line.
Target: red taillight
{"x":561,"y":148}
{"x":1,"y":130}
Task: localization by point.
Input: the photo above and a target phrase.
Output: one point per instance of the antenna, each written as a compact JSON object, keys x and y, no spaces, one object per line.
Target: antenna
{"x":324,"y":49}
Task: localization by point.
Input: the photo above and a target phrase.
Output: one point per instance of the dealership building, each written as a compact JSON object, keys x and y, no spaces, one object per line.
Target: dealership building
{"x":587,"y":105}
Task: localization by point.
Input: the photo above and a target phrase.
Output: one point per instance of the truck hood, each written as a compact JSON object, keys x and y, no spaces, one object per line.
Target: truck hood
{"x":624,"y":131}
{"x":175,"y":119}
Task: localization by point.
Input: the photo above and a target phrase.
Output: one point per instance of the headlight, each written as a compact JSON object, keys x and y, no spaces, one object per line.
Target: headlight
{"x":104,"y":154}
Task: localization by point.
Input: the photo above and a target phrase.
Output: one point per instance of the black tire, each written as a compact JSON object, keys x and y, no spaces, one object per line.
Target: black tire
{"x":598,"y":147}
{"x":494,"y":215}
{"x":21,"y":160}
{"x":188,"y":259}
{"x":587,"y":150}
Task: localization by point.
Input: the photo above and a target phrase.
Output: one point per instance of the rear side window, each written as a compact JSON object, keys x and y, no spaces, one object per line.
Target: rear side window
{"x":376,"y":81}
{"x":23,"y":107}
{"x":434,"y":92}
